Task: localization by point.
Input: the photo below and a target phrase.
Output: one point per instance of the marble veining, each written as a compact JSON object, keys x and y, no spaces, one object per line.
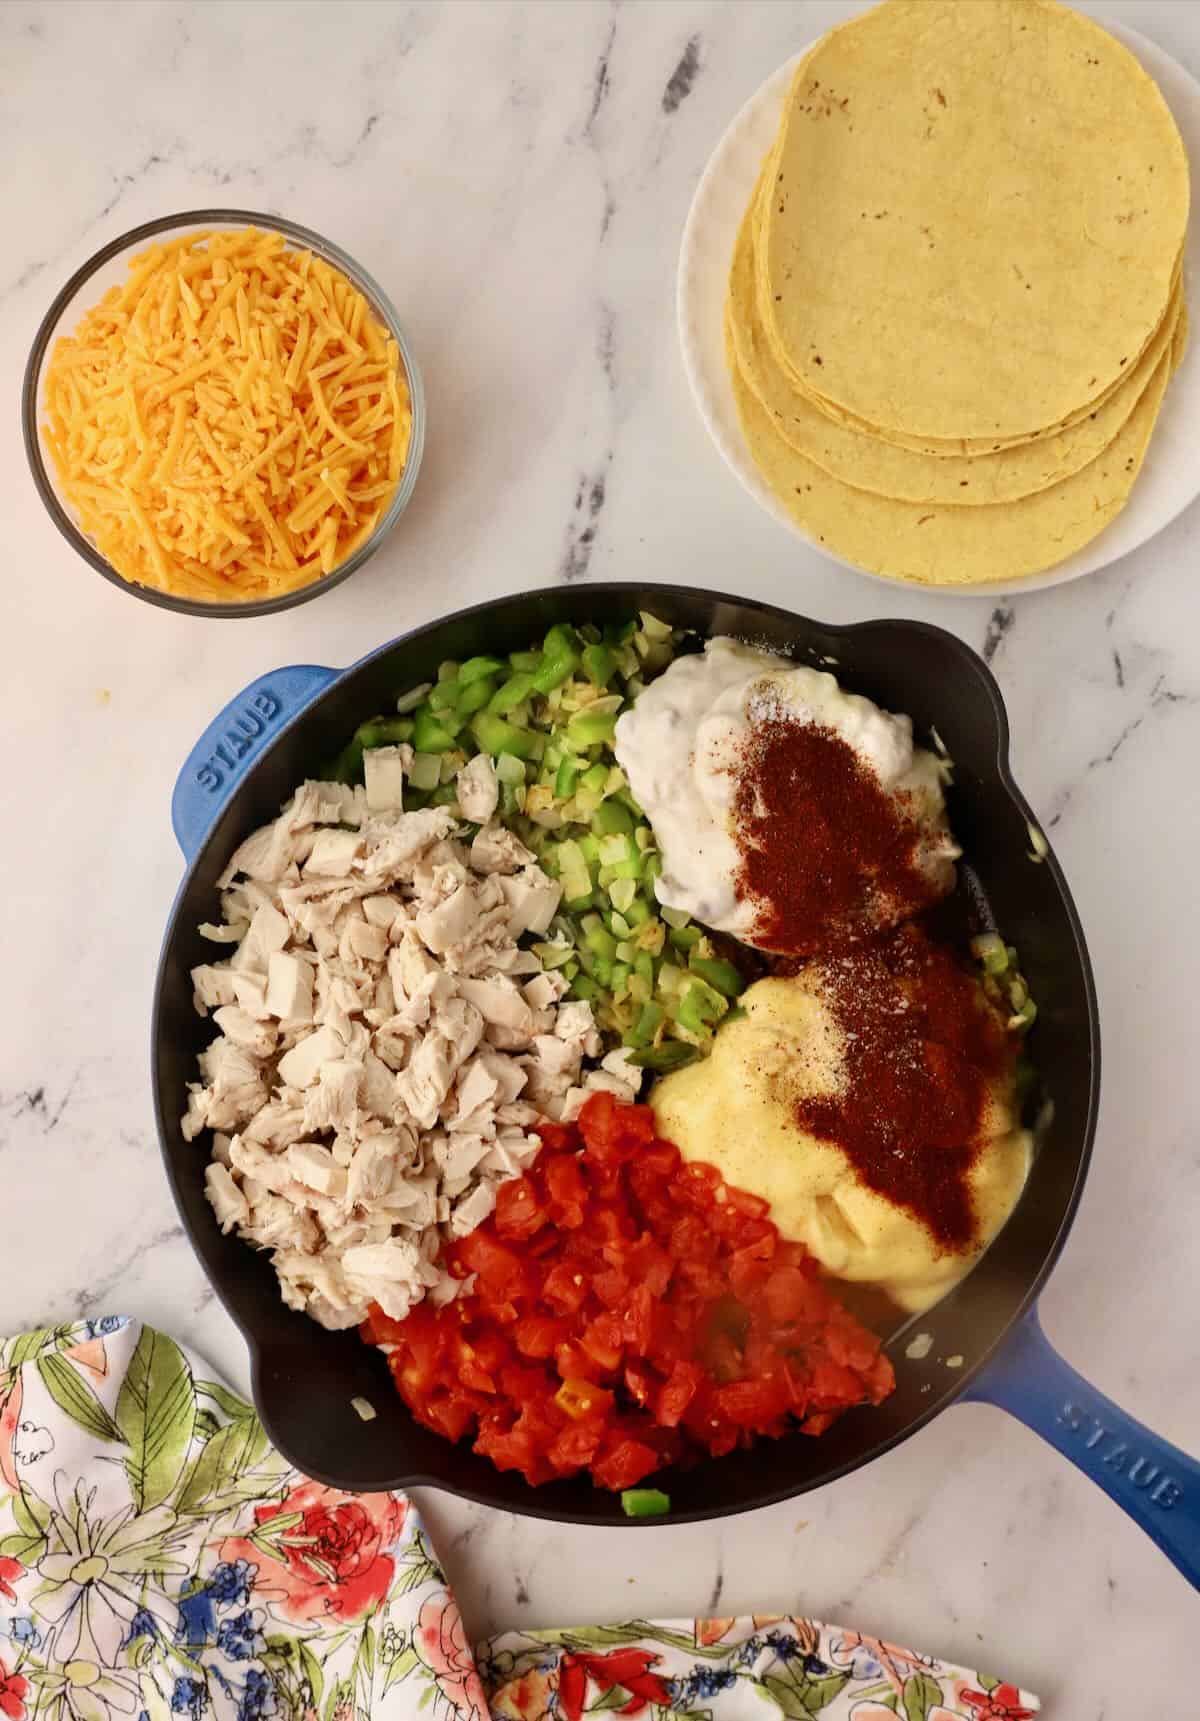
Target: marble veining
{"x":518,"y":175}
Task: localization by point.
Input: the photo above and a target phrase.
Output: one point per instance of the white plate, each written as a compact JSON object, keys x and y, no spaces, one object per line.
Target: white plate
{"x":1170,"y":478}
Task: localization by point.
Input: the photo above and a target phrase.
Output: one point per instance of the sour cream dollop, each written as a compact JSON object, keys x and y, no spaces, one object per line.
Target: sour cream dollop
{"x":681,"y":746}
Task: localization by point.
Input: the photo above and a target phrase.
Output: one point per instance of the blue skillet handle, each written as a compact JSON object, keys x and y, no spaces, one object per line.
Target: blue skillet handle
{"x":1156,"y":1483}
{"x":233,"y":740}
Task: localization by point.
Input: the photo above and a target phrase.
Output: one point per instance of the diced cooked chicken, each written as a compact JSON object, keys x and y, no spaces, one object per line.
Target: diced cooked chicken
{"x":616,"y":1076}
{"x":242,"y":1029}
{"x":473,"y":1209}
{"x":333,"y":1102}
{"x":300,"y":1067}
{"x":384,"y":911}
{"x":410,"y":964}
{"x":478,"y":789}
{"x":576,"y":1022}
{"x":476,"y":1088}
{"x":423,"y":1085}
{"x":228,"y":934}
{"x":544,"y":990}
{"x":383,"y":773}
{"x":213,"y":986}
{"x":532,"y":900}
{"x":385,"y":1045}
{"x":449,"y":922}
{"x":501,"y":1005}
{"x":371,"y":1171}
{"x":250,"y":992}
{"x":289,"y":987}
{"x":228,"y":1202}
{"x":378,"y":1092}
{"x":276,"y":1125}
{"x":333,"y":854}
{"x":617,"y":1064}
{"x":496,"y":849}
{"x":363,"y":943}
{"x":268,"y":931}
{"x":315,"y":1167}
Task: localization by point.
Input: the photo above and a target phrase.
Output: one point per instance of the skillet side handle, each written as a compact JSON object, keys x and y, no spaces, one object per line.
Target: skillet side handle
{"x":232,"y":741}
{"x":1153,"y":1481}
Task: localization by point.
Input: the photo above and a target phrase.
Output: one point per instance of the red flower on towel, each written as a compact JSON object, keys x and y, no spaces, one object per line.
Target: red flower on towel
{"x":1002,"y":1704}
{"x":629,"y":1668}
{"x":13,"y":1687}
{"x":9,"y":1570}
{"x":441,"y":1642}
{"x":331,"y":1551}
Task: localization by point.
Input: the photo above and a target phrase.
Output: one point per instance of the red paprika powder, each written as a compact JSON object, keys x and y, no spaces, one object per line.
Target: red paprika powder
{"x":924,"y":1052}
{"x":828,"y":854}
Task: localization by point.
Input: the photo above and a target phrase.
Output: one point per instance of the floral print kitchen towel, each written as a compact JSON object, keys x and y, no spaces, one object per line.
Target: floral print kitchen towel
{"x":761,"y":1669}
{"x":159,"y":1560}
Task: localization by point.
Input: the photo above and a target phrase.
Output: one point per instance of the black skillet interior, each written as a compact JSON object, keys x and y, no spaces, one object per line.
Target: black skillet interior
{"x":305,"y":1378}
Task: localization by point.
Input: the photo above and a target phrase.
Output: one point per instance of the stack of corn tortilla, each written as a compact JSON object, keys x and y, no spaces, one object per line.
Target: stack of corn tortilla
{"x":956,"y":298}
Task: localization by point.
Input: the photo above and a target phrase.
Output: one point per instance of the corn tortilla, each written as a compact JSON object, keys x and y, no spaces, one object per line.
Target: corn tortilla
{"x":935,"y":544}
{"x":938,"y":448}
{"x":976,"y":220}
{"x":869,"y":463}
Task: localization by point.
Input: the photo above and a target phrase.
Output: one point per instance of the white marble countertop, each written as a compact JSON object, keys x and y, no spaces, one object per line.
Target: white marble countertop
{"x":518,"y":175}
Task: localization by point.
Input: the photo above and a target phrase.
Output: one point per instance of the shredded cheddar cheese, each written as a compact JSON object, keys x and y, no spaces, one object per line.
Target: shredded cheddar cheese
{"x":231,"y":422}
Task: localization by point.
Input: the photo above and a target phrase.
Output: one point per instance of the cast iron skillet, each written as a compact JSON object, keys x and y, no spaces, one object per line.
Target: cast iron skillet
{"x":283,"y":726}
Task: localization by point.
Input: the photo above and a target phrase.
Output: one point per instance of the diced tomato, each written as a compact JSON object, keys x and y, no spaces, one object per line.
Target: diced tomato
{"x":557,"y":1138}
{"x":452,"y":1417}
{"x":833,"y":1383}
{"x":521,"y":1382}
{"x":637,"y":1320}
{"x":380,"y":1329}
{"x":741,"y":1201}
{"x":611,"y":1286}
{"x":577,"y":1445}
{"x":819,"y":1421}
{"x":510,"y":1449}
{"x":628,"y":1311}
{"x":477,"y":1378}
{"x":566,"y":1192}
{"x":696,"y":1185}
{"x":602,"y":1340}
{"x":518,"y":1211}
{"x":613,"y":1134}
{"x":572,"y":1362}
{"x":499,"y":1267}
{"x":648,"y":1264}
{"x":564,"y":1288}
{"x":613,"y":1229}
{"x":640,"y":1382}
{"x":790,"y":1296}
{"x":540,"y":1335}
{"x":626,"y":1463}
{"x":723,"y":1358}
{"x":689,"y":1238}
{"x":678,"y":1392}
{"x":752,"y":1403}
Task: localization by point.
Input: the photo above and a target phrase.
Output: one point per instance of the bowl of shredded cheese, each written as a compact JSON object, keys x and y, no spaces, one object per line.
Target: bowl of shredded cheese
{"x":222,"y":413}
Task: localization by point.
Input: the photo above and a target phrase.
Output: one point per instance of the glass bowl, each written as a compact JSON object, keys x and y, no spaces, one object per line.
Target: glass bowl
{"x":106,"y":269}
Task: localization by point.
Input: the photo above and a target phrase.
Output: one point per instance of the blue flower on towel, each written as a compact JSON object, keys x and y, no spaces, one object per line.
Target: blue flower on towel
{"x":703,"y":1683}
{"x":239,"y":1637}
{"x":190,"y":1697}
{"x":23,"y":1631}
{"x":232,"y":1581}
{"x":143,"y":1624}
{"x":258,"y":1698}
{"x":197,"y":1618}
